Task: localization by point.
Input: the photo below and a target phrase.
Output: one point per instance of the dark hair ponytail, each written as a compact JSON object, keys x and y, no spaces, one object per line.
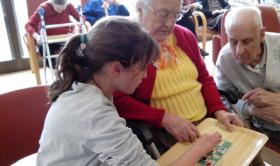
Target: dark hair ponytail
{"x":112,"y":38}
{"x":72,"y":67}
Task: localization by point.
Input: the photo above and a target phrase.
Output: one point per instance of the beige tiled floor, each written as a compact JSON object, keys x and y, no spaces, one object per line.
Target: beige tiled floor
{"x":21,"y":79}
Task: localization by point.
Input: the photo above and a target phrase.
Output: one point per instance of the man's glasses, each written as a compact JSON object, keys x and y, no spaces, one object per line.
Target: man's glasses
{"x":163,"y":14}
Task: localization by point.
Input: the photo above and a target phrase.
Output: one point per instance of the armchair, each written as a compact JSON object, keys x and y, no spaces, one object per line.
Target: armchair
{"x":22,"y":115}
{"x":270,"y":21}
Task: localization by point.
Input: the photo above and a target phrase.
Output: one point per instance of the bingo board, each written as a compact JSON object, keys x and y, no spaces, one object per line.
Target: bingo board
{"x":213,"y":157}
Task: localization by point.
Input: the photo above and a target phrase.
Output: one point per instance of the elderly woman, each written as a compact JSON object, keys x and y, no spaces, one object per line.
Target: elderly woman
{"x":178,"y":92}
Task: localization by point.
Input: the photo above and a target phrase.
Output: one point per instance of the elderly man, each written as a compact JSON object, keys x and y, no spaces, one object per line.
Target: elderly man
{"x":178,"y":92}
{"x":249,"y":64}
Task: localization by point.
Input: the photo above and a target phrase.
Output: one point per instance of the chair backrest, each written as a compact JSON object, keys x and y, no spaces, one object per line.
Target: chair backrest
{"x":270,"y":21}
{"x":22,"y":116}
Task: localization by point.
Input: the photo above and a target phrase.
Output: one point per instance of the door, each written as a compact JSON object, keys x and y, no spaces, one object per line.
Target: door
{"x":13,"y":53}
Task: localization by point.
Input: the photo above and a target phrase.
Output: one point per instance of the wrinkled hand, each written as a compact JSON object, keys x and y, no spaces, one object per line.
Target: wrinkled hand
{"x":182,"y":130}
{"x":217,"y":12}
{"x":88,"y":26}
{"x":105,"y":5}
{"x":193,"y":6}
{"x":207,"y":142}
{"x":270,"y":113}
{"x":261,"y":98}
{"x":196,"y":5}
{"x":228,"y":119}
{"x":38,"y":38}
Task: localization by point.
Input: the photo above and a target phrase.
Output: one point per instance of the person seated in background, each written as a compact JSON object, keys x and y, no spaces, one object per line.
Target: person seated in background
{"x":95,"y":9}
{"x":187,"y":21}
{"x":249,"y":65}
{"x":214,"y":11}
{"x":56,"y":12}
{"x":178,"y":92}
{"x":82,"y":126}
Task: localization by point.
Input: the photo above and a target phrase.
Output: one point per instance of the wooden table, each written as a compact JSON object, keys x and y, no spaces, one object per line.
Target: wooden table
{"x":59,"y":38}
{"x":246,"y":144}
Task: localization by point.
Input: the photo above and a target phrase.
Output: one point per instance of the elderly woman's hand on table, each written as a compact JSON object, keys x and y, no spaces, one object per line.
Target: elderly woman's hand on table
{"x":183,"y":130}
{"x":228,"y":119}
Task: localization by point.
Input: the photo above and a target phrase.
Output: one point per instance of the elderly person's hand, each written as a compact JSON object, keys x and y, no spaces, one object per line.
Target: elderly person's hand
{"x":105,"y":5}
{"x":182,"y":130}
{"x":112,"y":2}
{"x":270,"y":113}
{"x":228,"y":119}
{"x":266,"y":104}
{"x":218,"y":12}
{"x":115,"y":2}
{"x":38,"y":38}
{"x":192,"y":6}
{"x":261,"y":98}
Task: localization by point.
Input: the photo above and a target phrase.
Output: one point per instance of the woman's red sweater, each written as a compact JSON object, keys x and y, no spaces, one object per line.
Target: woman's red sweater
{"x":137,"y":106}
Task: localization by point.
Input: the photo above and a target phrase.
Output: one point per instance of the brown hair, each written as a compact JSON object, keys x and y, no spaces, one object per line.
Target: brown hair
{"x":113,"y":38}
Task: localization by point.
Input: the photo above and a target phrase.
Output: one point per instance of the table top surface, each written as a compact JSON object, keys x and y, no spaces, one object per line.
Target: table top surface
{"x":246,"y":144}
{"x":60,"y":38}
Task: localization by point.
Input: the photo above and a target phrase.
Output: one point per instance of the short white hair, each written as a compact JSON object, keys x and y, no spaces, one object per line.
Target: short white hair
{"x":245,"y":15}
{"x":145,"y":3}
{"x":142,"y":3}
{"x":59,"y":2}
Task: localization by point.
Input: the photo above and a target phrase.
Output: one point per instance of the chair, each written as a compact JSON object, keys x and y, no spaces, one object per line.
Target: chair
{"x":30,"y":42}
{"x":22,"y":115}
{"x":270,"y":21}
{"x":144,"y":133}
{"x":201,"y":31}
{"x":33,"y":57}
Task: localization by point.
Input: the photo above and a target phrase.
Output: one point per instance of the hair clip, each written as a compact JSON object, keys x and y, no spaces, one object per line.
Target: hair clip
{"x":83,"y":38}
{"x":80,"y":51}
{"x":83,"y":42}
{"x":83,"y":46}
